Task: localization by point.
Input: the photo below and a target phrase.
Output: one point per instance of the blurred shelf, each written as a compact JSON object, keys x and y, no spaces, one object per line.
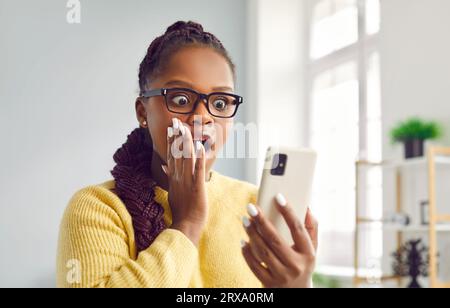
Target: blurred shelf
{"x":347,"y":272}
{"x":434,"y":160}
{"x":412,"y":229}
{"x":401,"y":228}
{"x":413,"y":162}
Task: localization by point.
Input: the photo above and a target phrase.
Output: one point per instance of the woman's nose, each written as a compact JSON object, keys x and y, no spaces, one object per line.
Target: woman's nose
{"x":201,"y":115}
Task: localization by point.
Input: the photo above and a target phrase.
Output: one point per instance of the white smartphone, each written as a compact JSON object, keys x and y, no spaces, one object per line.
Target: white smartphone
{"x":290,"y":172}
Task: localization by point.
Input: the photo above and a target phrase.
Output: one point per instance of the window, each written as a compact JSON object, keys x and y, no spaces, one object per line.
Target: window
{"x":344,"y":121}
{"x":335,"y":25}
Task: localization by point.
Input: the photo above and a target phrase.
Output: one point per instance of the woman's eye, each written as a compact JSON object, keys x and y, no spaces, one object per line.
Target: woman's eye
{"x":180,"y":100}
{"x":220,"y":104}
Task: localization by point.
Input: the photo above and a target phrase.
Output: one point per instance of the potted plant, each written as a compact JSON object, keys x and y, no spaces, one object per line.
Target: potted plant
{"x":412,"y":259}
{"x":413,"y":133}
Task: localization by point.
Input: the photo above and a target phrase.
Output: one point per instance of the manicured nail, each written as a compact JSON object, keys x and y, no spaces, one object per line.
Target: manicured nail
{"x":198,"y":146}
{"x":252,"y":210}
{"x":175,"y":123}
{"x":246,"y":221}
{"x":169,"y":132}
{"x":176,"y":126}
{"x":243,"y":243}
{"x":164,"y":168}
{"x":281,"y":200}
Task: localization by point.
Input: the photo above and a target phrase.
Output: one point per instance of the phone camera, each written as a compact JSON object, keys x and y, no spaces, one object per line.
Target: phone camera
{"x":278,"y":164}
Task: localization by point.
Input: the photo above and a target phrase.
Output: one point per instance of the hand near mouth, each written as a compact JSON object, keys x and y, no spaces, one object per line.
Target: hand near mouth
{"x":186,"y":178}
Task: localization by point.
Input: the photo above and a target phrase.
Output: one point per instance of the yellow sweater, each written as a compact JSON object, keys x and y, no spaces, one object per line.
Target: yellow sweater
{"x":97,"y":247}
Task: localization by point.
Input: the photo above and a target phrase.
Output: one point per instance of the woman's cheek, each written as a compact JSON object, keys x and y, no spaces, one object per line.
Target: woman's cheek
{"x":226,"y":128}
{"x":159,"y":138}
{"x":222,"y":131}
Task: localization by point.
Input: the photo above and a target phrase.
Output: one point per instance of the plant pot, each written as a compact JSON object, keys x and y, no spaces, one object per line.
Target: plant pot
{"x":414,"y":284}
{"x":414,"y":148}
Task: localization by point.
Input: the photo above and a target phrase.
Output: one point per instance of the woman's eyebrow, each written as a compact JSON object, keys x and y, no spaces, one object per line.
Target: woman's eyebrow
{"x":188,"y":85}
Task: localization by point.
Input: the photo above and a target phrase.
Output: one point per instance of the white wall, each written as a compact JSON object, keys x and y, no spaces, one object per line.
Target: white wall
{"x":415,"y":63}
{"x":276,"y":84}
{"x":67,"y":103}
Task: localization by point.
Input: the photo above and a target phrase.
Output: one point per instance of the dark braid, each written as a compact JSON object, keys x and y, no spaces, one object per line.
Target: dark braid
{"x":179,"y":35}
{"x":132,"y":174}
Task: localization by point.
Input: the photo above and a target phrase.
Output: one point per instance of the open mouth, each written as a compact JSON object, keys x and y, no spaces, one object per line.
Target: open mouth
{"x":206,"y":142}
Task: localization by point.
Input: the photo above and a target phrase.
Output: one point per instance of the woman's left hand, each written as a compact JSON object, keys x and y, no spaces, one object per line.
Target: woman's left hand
{"x":272,"y":260}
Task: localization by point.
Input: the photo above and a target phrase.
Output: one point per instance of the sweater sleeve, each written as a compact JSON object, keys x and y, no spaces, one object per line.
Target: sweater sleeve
{"x":95,"y":249}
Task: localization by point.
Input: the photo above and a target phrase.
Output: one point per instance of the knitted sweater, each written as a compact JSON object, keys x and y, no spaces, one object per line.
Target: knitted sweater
{"x":97,"y":248}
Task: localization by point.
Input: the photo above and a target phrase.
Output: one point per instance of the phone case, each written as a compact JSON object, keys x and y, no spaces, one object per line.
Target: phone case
{"x":295,"y":184}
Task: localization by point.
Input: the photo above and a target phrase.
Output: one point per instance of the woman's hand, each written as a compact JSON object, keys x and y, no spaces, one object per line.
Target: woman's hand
{"x":186,"y":176}
{"x":272,"y":260}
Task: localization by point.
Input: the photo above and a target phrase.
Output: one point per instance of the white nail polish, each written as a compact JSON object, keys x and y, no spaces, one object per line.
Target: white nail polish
{"x":198,"y":146}
{"x":252,"y":210}
{"x":176,"y":127}
{"x":169,"y":132}
{"x":243,"y":243}
{"x":175,"y":123}
{"x":281,"y":199}
{"x":246,"y":221}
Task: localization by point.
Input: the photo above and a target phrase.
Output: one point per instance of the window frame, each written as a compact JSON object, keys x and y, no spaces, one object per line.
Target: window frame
{"x":360,"y":52}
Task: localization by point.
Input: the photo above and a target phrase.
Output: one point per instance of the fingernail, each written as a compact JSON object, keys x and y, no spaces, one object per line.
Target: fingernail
{"x":198,"y":146}
{"x":169,"y":132}
{"x":164,"y":168}
{"x":175,"y":123}
{"x":252,"y":210}
{"x":246,"y":221}
{"x":281,"y":199}
{"x":176,"y":126}
{"x":243,"y":243}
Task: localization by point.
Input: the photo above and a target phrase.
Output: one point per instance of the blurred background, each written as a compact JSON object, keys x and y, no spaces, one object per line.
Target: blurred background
{"x":360,"y":81}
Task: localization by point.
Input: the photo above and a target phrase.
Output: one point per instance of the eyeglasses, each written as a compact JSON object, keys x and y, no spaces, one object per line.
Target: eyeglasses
{"x":185,"y":101}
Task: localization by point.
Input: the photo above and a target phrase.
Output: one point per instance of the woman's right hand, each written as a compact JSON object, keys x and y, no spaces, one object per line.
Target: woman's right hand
{"x":186,"y":177}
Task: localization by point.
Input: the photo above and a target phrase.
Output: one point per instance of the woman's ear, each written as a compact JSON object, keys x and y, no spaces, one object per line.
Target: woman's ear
{"x":141,"y":113}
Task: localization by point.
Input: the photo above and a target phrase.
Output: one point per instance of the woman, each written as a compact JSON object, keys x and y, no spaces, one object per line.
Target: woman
{"x":168,"y":220}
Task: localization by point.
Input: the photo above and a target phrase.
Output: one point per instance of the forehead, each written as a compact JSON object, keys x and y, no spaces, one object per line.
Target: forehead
{"x":203,"y":68}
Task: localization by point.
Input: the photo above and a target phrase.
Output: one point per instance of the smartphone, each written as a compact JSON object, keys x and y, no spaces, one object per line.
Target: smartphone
{"x":288,"y":171}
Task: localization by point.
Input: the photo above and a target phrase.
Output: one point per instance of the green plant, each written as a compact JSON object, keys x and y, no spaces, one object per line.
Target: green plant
{"x":323,"y":281}
{"x":416,"y":128}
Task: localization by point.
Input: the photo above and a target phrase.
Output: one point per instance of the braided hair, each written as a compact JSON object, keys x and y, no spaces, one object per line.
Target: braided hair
{"x":179,"y":35}
{"x":134,"y":183}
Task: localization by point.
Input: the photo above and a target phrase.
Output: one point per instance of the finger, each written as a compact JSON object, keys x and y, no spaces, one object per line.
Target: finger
{"x":200,"y":164}
{"x":177,"y":149}
{"x":262,"y":251}
{"x":299,"y":234}
{"x":312,"y":226}
{"x":169,"y":159}
{"x":176,"y":126}
{"x":189,"y":155}
{"x":260,"y":272}
{"x":270,"y":236}
{"x":177,"y":152}
{"x":165,"y":169}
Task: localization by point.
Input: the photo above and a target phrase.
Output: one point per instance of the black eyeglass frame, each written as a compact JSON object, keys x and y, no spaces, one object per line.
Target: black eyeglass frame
{"x":201,"y":98}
